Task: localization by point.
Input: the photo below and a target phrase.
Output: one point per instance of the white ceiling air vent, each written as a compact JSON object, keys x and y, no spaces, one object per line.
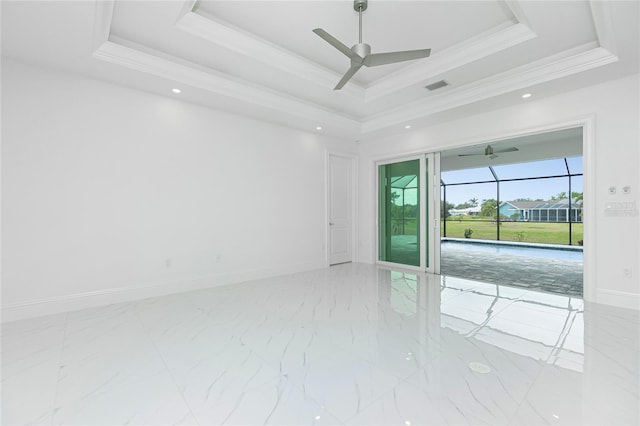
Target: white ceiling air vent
{"x":437,"y":85}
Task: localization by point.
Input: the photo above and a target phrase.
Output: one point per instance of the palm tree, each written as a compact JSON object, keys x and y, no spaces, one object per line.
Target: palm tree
{"x":559,"y":196}
{"x":577,"y":197}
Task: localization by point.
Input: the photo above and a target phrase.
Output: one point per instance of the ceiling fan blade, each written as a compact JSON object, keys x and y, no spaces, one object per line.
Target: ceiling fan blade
{"x":512,"y":149}
{"x":347,"y":76}
{"x":468,"y":155}
{"x":337,"y":44}
{"x":376,"y":59}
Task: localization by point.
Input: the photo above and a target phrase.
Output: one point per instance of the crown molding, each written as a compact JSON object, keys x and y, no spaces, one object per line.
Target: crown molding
{"x":221,"y":84}
{"x":548,"y":69}
{"x":481,"y":46}
{"x":563,"y":64}
{"x":294,"y":111}
{"x":245,"y":43}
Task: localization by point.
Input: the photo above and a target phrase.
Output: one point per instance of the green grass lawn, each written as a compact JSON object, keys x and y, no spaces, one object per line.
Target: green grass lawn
{"x":531,"y":232}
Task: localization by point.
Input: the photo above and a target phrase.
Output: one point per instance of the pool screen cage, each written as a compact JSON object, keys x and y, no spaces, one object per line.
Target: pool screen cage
{"x":566,"y":210}
{"x":399,"y":186}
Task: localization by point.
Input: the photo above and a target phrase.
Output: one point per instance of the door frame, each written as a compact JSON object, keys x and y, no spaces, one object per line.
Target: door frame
{"x":431,"y":180}
{"x":353,"y":201}
{"x":590,"y":291}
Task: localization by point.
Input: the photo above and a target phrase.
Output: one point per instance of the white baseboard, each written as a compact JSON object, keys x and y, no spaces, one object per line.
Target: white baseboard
{"x":621,"y":299}
{"x":73,"y":302}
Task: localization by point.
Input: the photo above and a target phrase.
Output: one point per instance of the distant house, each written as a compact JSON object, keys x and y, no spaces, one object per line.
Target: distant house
{"x":542,"y":211}
{"x":469,"y":211}
{"x":519,"y":208}
{"x":556,"y":211}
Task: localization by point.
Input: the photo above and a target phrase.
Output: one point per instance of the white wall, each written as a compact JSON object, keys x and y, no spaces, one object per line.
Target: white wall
{"x":102,"y":184}
{"x":111,"y":194}
{"x":613,"y":111}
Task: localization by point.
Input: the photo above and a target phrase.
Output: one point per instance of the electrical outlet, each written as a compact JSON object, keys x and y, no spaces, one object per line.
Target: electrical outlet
{"x":612,"y":190}
{"x":167,"y":263}
{"x":627,"y":272}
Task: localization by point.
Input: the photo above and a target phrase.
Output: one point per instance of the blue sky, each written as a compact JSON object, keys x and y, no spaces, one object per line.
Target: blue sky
{"x":534,"y":189}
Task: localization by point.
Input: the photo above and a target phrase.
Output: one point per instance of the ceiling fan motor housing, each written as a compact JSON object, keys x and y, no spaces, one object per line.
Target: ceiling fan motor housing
{"x":361,"y":49}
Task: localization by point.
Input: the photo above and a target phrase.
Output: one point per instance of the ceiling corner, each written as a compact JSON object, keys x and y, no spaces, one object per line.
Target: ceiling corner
{"x":102,"y":22}
{"x":601,"y":13}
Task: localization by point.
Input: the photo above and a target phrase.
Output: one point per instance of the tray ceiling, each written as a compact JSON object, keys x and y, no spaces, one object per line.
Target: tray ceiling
{"x":261,"y":59}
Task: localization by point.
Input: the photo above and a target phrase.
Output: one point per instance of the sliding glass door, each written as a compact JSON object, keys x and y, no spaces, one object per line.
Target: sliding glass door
{"x":399,"y":212}
{"x":405,"y":206}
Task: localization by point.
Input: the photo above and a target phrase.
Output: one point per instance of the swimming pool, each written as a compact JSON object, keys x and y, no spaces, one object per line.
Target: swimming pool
{"x":515,"y":250}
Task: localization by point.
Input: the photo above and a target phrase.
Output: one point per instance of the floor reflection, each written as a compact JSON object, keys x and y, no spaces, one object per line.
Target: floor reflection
{"x":551,"y":358}
{"x":351,"y":344}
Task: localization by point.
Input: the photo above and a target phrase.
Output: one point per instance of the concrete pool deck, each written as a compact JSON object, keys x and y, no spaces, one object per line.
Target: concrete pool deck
{"x":552,"y":275}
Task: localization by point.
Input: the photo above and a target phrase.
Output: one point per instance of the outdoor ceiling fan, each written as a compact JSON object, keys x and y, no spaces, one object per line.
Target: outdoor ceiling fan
{"x":489,"y":152}
{"x":360,"y":54}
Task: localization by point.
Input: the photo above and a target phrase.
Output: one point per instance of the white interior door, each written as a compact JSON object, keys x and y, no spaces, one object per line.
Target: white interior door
{"x":340,"y":209}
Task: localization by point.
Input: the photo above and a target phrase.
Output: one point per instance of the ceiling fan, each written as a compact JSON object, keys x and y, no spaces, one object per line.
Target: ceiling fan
{"x":489,"y":152}
{"x":360,"y":54}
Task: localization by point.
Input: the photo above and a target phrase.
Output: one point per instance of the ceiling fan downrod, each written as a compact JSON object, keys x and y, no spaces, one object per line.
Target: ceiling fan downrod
{"x":360,"y":6}
{"x":361,"y":49}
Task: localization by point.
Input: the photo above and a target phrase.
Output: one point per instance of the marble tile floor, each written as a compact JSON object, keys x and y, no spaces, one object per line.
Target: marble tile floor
{"x":353,"y":344}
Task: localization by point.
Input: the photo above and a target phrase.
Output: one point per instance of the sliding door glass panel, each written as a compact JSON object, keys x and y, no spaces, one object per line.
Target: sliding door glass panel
{"x":399,"y":212}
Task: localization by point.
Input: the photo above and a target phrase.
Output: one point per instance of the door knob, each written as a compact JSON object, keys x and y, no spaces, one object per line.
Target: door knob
{"x":331,"y":223}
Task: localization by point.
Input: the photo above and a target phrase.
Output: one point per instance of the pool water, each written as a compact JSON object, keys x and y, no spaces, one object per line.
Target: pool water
{"x":527,"y":251}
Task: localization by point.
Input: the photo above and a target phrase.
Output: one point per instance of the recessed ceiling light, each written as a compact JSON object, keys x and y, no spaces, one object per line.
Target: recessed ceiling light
{"x":478,"y":367}
{"x":176,"y":90}
{"x":408,"y":126}
{"x":526,"y":95}
{"x":318,"y":127}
